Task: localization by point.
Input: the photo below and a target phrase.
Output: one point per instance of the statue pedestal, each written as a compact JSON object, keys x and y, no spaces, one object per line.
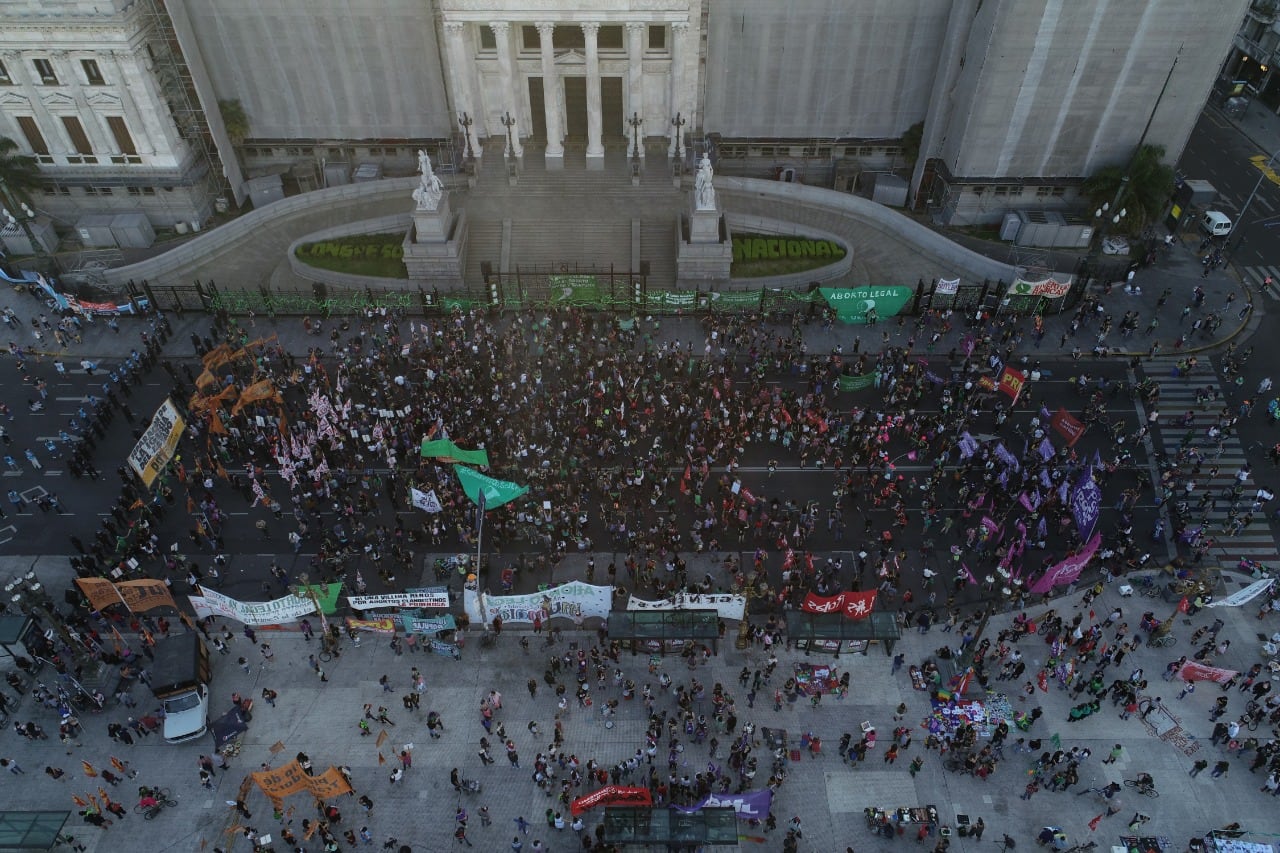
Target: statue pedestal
{"x":705,"y":251}
{"x":435,"y":247}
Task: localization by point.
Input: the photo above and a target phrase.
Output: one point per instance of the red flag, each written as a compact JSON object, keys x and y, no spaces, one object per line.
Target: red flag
{"x":1184,"y":606}
{"x":1011,"y":382}
{"x":1093,"y":824}
{"x":1067,"y":426}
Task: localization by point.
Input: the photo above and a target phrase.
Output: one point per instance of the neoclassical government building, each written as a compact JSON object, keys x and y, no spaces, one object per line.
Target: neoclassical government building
{"x":170,"y":107}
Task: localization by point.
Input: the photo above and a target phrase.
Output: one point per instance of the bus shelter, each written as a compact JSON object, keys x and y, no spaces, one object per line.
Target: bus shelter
{"x":674,"y":829}
{"x":31,"y":830}
{"x":834,"y":633}
{"x":659,"y":631}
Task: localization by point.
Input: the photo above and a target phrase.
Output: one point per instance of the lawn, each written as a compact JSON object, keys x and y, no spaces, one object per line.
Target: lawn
{"x":377,"y":255}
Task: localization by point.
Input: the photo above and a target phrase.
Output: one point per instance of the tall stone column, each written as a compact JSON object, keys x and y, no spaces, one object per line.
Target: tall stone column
{"x":679,"y":32}
{"x":551,"y":94}
{"x":506,"y":68}
{"x":595,"y":115}
{"x":460,"y":80}
{"x":635,"y":78}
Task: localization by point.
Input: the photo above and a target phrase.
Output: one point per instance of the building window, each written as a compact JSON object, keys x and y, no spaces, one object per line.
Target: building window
{"x":488,"y":41}
{"x":141,"y":191}
{"x":35,"y":139}
{"x":98,"y":191}
{"x":91,"y":72}
{"x":5,"y":79}
{"x":529,"y":37}
{"x":609,"y":37}
{"x":44,"y":70}
{"x":120,"y":130}
{"x":568,"y":38}
{"x":657,"y":38}
{"x":75,"y":130}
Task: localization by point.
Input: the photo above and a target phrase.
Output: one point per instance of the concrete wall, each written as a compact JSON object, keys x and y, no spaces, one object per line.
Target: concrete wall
{"x":1059,"y":88}
{"x":830,"y":68}
{"x":327,"y":69}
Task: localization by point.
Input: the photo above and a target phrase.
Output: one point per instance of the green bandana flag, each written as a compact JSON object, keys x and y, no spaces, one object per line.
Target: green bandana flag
{"x":856,"y":383}
{"x":450,"y":452}
{"x":496,"y":492}
{"x":852,"y":303}
{"x":327,"y":594}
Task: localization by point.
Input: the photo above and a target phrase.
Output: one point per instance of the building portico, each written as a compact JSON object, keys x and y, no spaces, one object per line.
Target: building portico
{"x":567,"y":75}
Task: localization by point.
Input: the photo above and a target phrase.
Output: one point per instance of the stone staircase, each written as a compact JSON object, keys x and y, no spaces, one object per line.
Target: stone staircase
{"x":572,"y":217}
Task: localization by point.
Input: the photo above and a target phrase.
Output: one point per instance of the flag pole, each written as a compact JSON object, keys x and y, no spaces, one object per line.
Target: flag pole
{"x":480,"y":502}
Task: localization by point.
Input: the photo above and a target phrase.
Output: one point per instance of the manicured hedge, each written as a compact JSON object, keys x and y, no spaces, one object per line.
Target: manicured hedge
{"x":756,"y":255}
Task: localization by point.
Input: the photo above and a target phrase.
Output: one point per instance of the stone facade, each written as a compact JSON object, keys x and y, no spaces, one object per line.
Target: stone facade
{"x":1020,"y":100}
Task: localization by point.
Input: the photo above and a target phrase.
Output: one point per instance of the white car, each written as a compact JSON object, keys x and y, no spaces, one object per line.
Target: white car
{"x":186,"y":715}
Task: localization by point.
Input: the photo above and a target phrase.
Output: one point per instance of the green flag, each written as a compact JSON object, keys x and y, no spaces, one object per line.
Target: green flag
{"x":856,"y":383}
{"x":326,"y":593}
{"x":496,"y":492}
{"x":450,"y":452}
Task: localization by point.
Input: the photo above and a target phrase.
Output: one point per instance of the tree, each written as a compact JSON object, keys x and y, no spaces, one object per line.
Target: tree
{"x":18,"y":173}
{"x":1149,"y":186}
{"x":235,"y":119}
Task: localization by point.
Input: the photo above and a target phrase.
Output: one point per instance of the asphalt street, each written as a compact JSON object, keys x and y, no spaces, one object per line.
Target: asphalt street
{"x":319,"y":718}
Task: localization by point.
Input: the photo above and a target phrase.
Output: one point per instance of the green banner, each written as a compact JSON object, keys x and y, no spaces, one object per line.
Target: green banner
{"x":496,"y":492}
{"x":856,"y":383}
{"x":851,"y":304}
{"x":445,"y":449}
{"x":575,"y":290}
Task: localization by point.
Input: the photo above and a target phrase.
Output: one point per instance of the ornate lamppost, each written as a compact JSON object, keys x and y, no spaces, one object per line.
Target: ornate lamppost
{"x":466,"y":121}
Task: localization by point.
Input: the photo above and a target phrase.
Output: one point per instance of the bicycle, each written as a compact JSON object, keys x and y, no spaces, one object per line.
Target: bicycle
{"x":163,"y":799}
{"x":1080,"y":848}
{"x":1162,"y":642}
{"x":1142,"y":788}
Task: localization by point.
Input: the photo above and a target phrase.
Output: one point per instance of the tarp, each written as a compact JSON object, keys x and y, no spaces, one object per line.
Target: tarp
{"x":226,"y":727}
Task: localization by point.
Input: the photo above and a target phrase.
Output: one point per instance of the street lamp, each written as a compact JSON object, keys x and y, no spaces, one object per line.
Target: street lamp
{"x":466,"y":121}
{"x":24,"y":221}
{"x":509,"y":122}
{"x":635,"y":121}
{"x":1264,"y":173}
{"x":677,"y":144}
{"x":304,"y":589}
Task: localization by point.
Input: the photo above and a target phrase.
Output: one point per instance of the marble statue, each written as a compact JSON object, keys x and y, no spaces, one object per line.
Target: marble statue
{"x":704,"y":194}
{"x":429,"y":190}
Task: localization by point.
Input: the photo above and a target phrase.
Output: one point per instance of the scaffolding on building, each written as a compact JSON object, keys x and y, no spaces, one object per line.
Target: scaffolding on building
{"x":169,"y":65}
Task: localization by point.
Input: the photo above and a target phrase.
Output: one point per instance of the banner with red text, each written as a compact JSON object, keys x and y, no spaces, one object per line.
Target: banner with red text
{"x":1192,"y":671}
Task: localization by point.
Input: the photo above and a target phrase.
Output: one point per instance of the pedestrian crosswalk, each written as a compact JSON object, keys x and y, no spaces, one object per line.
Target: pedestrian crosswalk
{"x":1177,"y":398}
{"x":1255,"y":276}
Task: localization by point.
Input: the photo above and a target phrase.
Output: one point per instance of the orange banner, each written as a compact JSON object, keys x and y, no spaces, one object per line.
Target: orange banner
{"x":290,"y":779}
{"x":148,"y":594}
{"x":216,"y":357}
{"x":101,"y":592}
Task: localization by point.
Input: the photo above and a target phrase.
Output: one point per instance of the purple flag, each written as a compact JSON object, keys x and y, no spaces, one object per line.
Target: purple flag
{"x":1086,"y":503}
{"x":1044,"y":479}
{"x":751,"y":804}
{"x":1046,"y":450}
{"x":1043,"y":528}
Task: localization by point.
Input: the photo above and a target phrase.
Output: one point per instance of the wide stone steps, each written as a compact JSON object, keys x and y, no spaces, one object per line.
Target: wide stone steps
{"x":568,"y":242}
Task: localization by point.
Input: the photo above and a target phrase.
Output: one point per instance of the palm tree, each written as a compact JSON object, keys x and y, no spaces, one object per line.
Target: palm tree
{"x":18,"y":172}
{"x":1148,"y":183}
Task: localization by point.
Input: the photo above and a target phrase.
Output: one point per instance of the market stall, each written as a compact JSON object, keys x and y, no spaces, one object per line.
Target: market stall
{"x":889,"y":822}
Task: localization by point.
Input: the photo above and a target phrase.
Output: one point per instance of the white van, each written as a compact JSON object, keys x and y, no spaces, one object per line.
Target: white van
{"x":1215,"y":224}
